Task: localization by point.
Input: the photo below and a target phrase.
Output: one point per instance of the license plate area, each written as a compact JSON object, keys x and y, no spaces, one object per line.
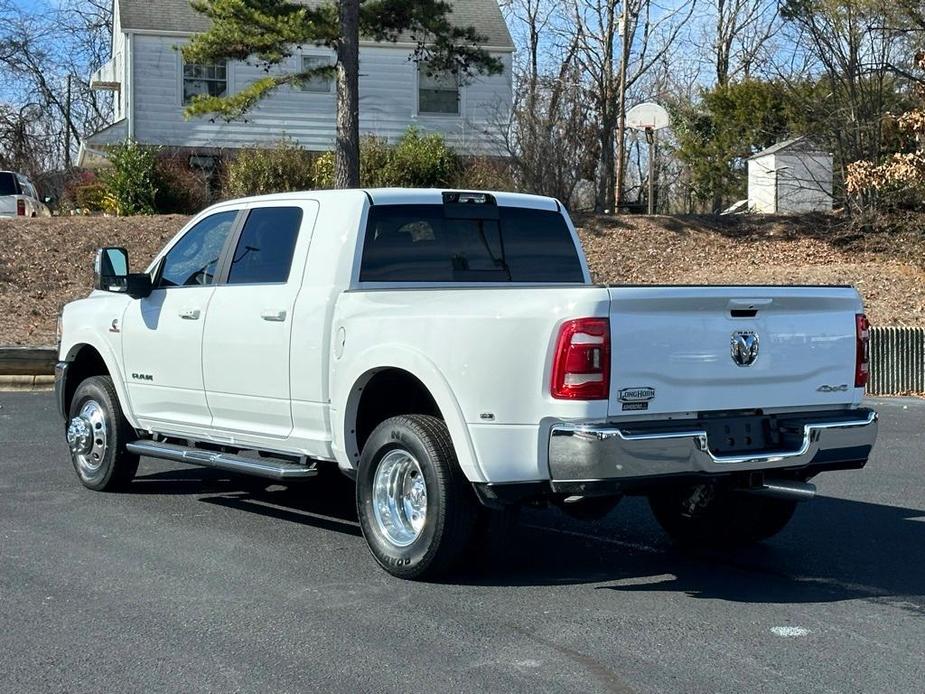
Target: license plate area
{"x":730,"y":435}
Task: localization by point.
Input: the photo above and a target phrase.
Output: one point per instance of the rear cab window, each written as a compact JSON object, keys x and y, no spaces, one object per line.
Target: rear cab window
{"x":438,"y":244}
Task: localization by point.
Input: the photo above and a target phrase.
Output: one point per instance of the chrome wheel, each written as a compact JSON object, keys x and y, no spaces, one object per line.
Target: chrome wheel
{"x":399,"y":497}
{"x":87,"y":437}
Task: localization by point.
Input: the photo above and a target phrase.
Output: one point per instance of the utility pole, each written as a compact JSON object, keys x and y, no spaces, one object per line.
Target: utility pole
{"x":621,"y":107}
{"x":650,"y":138}
{"x":67,"y":127}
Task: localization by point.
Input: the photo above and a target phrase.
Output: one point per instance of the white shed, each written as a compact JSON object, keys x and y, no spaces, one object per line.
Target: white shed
{"x":791,"y":177}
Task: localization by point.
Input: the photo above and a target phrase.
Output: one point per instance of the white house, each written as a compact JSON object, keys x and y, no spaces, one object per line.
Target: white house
{"x":791,"y":177}
{"x":151,"y":85}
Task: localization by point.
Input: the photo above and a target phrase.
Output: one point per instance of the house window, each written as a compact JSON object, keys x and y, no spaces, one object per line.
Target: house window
{"x":210,"y":80}
{"x":320,"y":85}
{"x":438,"y":93}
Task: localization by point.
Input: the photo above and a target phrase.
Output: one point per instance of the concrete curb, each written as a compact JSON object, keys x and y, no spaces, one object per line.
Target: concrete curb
{"x":26,"y":383}
{"x":28,"y":361}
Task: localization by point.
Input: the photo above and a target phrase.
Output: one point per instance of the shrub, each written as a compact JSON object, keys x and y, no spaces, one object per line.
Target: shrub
{"x":485,"y":173}
{"x":323,"y":170}
{"x":89,"y":196}
{"x":130,"y":182}
{"x":180,"y":189}
{"x":375,"y":162}
{"x":421,"y":161}
{"x":416,"y":161}
{"x":283,"y":167}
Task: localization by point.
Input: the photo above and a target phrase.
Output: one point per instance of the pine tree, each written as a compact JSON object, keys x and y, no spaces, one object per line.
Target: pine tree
{"x":267,"y":32}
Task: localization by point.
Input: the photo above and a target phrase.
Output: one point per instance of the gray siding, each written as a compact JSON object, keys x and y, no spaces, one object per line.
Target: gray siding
{"x":388,"y":103}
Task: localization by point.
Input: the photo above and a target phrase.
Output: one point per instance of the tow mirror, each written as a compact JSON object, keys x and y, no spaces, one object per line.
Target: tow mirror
{"x":110,"y":271}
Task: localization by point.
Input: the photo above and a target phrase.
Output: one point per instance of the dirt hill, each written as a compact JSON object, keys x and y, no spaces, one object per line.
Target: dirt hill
{"x":47,"y":262}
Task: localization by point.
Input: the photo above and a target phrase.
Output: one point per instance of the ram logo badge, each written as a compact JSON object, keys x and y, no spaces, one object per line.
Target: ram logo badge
{"x":142,"y":377}
{"x":744,"y":347}
{"x":824,"y":388}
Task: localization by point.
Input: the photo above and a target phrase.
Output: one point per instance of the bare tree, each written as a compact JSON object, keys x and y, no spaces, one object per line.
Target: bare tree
{"x":742,"y":29}
{"x":47,"y":53}
{"x":618,"y":44}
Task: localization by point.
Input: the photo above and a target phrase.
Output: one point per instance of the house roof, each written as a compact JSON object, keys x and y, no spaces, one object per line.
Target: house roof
{"x":794,"y":144}
{"x":175,"y":16}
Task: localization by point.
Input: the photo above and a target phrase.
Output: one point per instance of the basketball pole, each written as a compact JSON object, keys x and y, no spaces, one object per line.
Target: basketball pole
{"x":650,"y":138}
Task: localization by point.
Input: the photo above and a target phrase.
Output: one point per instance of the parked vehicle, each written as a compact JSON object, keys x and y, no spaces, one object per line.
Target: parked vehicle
{"x":449,"y":352}
{"x":18,"y":197}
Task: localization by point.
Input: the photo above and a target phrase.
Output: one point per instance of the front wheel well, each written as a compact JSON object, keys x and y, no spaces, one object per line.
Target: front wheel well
{"x":389,"y":393}
{"x":87,"y":362}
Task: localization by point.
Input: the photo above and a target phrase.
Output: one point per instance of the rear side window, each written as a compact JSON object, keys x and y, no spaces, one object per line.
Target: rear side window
{"x":8,"y":184}
{"x":265,"y":248}
{"x":420,"y":243}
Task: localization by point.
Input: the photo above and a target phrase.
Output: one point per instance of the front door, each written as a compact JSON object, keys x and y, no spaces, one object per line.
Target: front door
{"x":162,"y":334}
{"x":245,"y":349}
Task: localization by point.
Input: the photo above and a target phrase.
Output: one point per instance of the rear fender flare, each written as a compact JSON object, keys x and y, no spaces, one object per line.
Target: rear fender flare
{"x":350,"y":379}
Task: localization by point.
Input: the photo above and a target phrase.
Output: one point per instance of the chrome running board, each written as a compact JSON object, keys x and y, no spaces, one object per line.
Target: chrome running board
{"x":270,"y":468}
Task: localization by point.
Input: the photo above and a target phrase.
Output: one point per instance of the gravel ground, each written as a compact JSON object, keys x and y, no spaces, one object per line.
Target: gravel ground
{"x":45,"y":263}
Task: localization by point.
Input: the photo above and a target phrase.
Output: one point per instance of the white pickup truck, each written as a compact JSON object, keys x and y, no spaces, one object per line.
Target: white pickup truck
{"x":449,"y":352}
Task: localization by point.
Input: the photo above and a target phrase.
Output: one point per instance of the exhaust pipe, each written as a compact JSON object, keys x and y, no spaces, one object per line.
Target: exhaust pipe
{"x":785,"y":489}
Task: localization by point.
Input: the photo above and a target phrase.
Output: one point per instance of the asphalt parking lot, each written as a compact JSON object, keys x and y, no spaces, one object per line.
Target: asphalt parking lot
{"x":198,"y":581}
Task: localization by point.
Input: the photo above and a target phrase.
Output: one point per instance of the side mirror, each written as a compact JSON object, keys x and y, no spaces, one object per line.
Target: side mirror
{"x":110,"y":271}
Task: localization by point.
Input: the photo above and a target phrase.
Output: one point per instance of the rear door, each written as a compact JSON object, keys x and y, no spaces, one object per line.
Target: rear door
{"x":245,"y":350}
{"x":696,"y":349}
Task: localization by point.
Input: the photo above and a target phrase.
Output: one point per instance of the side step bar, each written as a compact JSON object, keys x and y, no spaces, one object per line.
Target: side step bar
{"x":271,"y":468}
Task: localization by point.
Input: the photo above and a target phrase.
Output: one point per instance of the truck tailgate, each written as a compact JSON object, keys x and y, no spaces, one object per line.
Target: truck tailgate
{"x":7,"y":205}
{"x":672,"y":348}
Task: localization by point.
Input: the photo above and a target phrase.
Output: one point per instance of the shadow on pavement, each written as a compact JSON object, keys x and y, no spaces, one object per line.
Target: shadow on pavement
{"x":833,"y":550}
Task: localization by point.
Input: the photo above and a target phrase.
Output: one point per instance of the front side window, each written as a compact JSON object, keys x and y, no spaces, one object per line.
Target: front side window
{"x":211,"y":80}
{"x":265,"y":248}
{"x":422,"y":243}
{"x":193,"y":260}
{"x":319,"y":85}
{"x":438,"y":93}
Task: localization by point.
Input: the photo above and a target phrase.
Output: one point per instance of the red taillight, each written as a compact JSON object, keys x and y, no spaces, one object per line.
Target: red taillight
{"x":862,"y":360}
{"x":21,"y":208}
{"x":581,"y":366}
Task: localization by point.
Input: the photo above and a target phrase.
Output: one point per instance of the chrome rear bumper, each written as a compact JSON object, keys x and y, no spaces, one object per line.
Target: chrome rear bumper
{"x":587,"y":452}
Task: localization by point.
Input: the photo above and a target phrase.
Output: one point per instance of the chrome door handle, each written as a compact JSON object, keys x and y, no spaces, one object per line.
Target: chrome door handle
{"x":190,"y":314}
{"x":274,"y":316}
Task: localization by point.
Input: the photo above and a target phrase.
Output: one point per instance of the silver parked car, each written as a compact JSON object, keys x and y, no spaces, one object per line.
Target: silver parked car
{"x":19,"y":198}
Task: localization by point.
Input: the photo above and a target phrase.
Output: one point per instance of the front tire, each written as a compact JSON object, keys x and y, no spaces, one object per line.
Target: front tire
{"x":415,"y":507}
{"x":721,"y":518}
{"x":97,"y":433}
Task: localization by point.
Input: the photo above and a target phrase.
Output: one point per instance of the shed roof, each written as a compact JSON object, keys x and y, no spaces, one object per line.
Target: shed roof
{"x":794,"y":144}
{"x":178,"y":16}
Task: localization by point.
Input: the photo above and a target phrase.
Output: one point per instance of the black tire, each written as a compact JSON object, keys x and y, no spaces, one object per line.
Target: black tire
{"x":728,"y":518}
{"x":115,"y":467}
{"x":451,"y":507}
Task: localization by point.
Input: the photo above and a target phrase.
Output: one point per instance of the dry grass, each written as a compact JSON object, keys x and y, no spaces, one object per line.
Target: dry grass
{"x":46,"y":262}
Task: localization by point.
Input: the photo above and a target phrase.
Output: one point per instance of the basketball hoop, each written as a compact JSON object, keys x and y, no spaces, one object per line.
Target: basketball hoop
{"x":649,"y":118}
